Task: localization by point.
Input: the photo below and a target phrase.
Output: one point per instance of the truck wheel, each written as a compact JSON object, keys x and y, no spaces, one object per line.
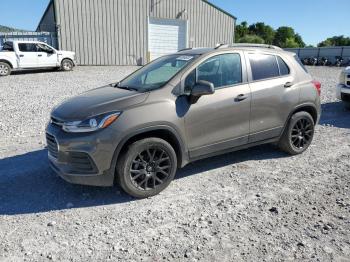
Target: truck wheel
{"x":147,"y":167}
{"x":5,"y":69}
{"x":67,"y":65}
{"x":298,"y":134}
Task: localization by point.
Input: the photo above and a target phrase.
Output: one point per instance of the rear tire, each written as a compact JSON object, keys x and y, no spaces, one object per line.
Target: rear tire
{"x":67,"y":65}
{"x":347,"y":105}
{"x":298,"y":134}
{"x":5,"y":69}
{"x":147,"y":167}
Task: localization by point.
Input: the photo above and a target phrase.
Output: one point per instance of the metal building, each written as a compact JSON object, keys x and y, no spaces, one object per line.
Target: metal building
{"x":130,"y":32}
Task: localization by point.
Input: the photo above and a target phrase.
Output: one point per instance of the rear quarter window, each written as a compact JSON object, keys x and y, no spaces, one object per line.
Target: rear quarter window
{"x":284,"y":69}
{"x":300,"y":63}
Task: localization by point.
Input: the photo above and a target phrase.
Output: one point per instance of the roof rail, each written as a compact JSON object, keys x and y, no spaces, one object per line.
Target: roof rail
{"x":188,"y":48}
{"x":221,"y":45}
{"x":256,"y":46}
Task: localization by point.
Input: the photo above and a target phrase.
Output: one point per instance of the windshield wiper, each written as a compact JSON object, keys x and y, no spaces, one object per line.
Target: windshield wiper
{"x":117,"y":85}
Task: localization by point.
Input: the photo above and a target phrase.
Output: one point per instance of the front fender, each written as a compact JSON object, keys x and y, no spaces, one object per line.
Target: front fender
{"x":158,"y":126}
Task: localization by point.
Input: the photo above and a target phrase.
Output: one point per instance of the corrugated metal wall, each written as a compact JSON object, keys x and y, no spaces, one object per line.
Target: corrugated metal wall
{"x":330,"y":52}
{"x":114,"y":32}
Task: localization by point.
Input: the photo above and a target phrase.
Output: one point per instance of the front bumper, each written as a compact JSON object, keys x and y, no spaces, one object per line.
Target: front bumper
{"x":342,"y":89}
{"x":85,"y":159}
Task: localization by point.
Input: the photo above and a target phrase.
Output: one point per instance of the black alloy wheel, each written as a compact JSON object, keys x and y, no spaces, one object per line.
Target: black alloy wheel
{"x":298,"y":134}
{"x":302,"y":133}
{"x":147,"y":167}
{"x":150,"y":168}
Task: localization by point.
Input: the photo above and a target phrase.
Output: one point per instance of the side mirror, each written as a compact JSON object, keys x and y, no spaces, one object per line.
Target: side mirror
{"x":50,"y":51}
{"x":202,"y":88}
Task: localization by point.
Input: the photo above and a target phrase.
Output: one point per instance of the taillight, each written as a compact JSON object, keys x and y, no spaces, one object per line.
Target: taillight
{"x":317,"y":86}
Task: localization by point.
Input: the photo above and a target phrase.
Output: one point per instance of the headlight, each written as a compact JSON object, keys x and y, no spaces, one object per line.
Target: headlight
{"x":91,"y":124}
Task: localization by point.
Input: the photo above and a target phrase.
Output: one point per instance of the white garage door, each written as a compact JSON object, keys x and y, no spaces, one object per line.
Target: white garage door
{"x":166,"y":36}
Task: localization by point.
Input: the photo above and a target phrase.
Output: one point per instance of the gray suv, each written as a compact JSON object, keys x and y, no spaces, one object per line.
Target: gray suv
{"x":180,"y":108}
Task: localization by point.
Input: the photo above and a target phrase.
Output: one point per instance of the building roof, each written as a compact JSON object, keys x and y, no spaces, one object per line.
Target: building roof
{"x":205,"y":1}
{"x":46,"y":10}
{"x":220,"y":9}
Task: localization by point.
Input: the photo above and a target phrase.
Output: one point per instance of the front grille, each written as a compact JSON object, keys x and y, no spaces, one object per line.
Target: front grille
{"x":345,"y":97}
{"x":81,"y":163}
{"x":52,"y":146}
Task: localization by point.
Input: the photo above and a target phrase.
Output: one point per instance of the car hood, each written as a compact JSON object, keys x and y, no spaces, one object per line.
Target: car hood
{"x":63,"y":52}
{"x":97,"y":101}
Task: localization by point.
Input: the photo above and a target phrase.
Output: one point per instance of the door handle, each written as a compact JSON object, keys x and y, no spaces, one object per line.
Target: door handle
{"x":288,"y":84}
{"x":40,"y":55}
{"x":241,"y":97}
{"x":21,"y":55}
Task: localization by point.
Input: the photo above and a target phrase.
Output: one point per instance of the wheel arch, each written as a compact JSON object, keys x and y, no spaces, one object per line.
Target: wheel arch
{"x":308,"y":107}
{"x":164,"y":132}
{"x":7,"y":62}
{"x":67,"y":58}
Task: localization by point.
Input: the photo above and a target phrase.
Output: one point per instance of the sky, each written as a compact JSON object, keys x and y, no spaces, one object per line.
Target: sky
{"x":314,"y":20}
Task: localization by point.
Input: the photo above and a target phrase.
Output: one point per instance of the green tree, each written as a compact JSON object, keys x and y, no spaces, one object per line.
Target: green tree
{"x":299,"y":40}
{"x":254,"y":39}
{"x":335,"y":41}
{"x":259,"y":33}
{"x":282,"y":34}
{"x":291,"y":43}
{"x":7,"y":29}
{"x":241,"y":30}
{"x":266,"y":32}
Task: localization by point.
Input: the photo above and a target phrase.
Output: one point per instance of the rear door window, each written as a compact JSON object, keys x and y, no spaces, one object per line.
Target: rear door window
{"x":27,"y":47}
{"x":263,"y":66}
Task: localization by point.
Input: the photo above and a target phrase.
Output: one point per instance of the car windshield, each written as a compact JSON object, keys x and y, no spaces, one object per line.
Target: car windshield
{"x":157,"y":73}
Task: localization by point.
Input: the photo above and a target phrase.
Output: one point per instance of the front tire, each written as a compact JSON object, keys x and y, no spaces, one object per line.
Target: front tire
{"x":298,"y":134}
{"x":5,"y":69}
{"x":67,"y":65}
{"x":147,"y":167}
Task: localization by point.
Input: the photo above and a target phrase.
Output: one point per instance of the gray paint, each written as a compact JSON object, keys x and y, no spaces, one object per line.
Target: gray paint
{"x":115,"y":32}
{"x":197,"y":131}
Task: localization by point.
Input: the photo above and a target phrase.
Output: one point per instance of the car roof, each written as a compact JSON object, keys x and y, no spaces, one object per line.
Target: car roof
{"x":26,"y":41}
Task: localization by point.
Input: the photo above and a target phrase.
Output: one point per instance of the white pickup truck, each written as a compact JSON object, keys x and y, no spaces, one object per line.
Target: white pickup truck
{"x":20,"y":55}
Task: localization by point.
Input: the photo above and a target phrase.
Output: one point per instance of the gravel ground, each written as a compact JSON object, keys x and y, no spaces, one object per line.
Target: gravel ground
{"x":257,"y":205}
